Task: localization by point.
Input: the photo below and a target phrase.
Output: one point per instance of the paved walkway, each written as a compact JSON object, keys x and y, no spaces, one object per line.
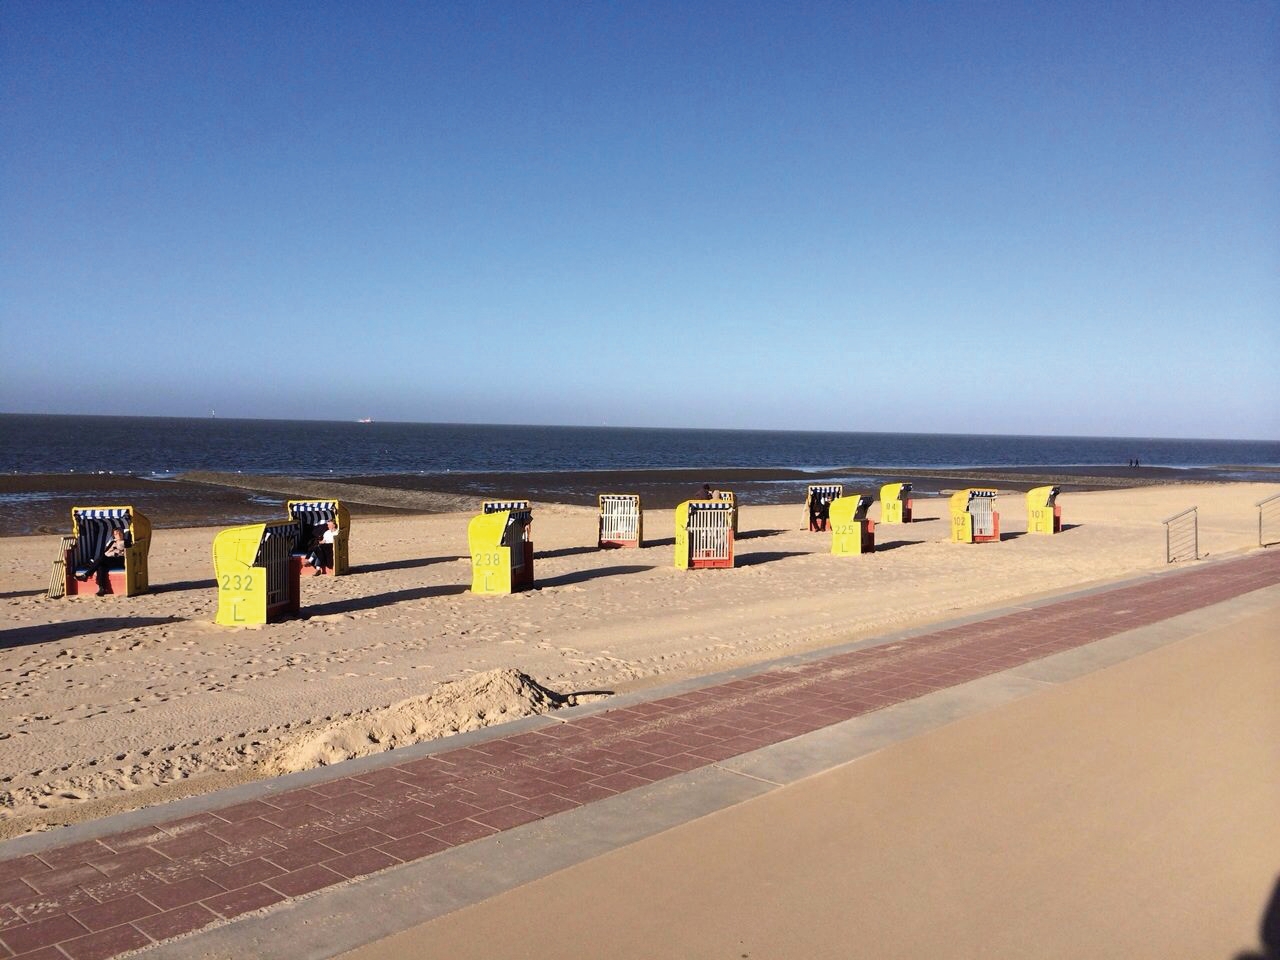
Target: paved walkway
{"x":125,"y":887}
{"x":1118,"y":813}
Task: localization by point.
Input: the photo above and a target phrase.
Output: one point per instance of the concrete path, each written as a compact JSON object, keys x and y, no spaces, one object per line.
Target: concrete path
{"x":278,"y":857}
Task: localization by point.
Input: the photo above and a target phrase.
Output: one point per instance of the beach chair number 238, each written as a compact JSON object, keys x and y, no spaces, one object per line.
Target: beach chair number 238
{"x":487,"y":559}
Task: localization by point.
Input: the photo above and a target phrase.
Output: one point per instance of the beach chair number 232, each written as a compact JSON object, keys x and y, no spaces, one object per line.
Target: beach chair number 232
{"x":237,"y":581}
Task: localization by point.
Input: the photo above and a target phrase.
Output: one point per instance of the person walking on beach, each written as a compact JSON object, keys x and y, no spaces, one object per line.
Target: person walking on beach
{"x":99,"y":568}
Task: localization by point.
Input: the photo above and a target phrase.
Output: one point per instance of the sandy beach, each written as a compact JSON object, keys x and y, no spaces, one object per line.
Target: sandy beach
{"x":114,"y":703}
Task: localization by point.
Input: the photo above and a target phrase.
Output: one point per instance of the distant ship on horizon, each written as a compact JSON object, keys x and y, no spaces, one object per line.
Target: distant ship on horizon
{"x":365,"y":420}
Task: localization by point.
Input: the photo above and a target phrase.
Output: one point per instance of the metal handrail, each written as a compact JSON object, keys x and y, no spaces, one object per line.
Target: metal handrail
{"x":1172,"y":550}
{"x":1274,"y":515}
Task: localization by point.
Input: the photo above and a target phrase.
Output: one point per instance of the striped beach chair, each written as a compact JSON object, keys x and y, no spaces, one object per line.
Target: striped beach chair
{"x":621,"y":521}
{"x":91,"y":529}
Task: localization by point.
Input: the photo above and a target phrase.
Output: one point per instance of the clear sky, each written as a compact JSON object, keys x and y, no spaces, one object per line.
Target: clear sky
{"x":937,"y":217}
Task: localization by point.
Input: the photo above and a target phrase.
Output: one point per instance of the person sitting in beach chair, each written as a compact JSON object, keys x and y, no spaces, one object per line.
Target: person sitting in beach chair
{"x":320,"y":556}
{"x":111,"y":558}
{"x":819,"y":512}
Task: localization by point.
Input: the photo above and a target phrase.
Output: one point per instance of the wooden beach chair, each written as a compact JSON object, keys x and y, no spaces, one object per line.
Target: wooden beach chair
{"x":973,"y":516}
{"x":852,"y":531}
{"x":896,"y":503}
{"x":704,"y":534}
{"x":501,"y":548}
{"x":257,"y":573}
{"x":621,"y":521}
{"x":312,"y":517}
{"x":91,"y":529}
{"x":1044,"y":515}
{"x":817,"y":504}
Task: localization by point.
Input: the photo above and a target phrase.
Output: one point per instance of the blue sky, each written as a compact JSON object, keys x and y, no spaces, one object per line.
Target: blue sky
{"x":936,"y":217}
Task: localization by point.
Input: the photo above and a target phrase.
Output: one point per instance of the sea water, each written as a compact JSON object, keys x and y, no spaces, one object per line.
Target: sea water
{"x":165,"y":446}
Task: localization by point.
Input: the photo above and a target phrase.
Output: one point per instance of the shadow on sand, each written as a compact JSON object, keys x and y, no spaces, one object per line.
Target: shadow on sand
{"x":565,"y":552}
{"x":769,"y":556}
{"x":181,"y":585}
{"x":895,"y":544}
{"x":381,"y":600}
{"x":15,"y":594}
{"x":1269,"y":930}
{"x":401,"y":564}
{"x":582,"y":576}
{"x":46,"y":632}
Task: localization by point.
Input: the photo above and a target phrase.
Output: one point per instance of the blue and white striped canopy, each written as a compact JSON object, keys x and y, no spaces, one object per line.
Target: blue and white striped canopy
{"x":102,"y":513}
{"x":314,"y":505}
{"x":710,"y":505}
{"x":497,"y":506}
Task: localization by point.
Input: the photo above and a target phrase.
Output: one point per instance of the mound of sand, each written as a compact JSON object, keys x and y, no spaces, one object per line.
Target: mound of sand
{"x":494,"y":696}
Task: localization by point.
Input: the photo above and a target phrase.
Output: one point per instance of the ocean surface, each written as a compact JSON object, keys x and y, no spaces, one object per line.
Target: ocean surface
{"x":165,"y":447}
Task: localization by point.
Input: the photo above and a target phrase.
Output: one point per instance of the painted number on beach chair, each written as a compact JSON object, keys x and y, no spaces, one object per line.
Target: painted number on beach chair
{"x":487,"y":559}
{"x":237,"y":581}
